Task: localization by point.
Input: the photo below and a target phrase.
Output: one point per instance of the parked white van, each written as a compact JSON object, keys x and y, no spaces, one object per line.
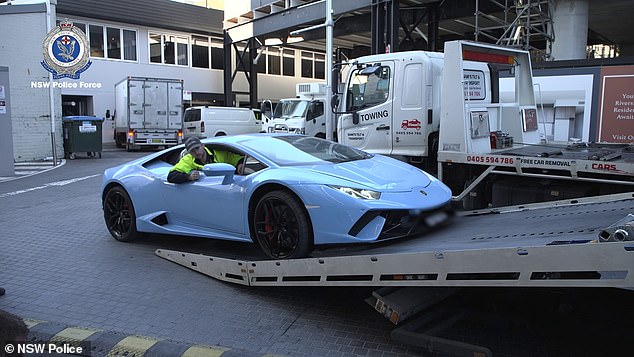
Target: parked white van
{"x":207,"y":121}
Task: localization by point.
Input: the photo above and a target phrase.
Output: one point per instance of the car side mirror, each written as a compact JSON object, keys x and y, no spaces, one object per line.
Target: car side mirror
{"x":220,"y":169}
{"x":355,"y":118}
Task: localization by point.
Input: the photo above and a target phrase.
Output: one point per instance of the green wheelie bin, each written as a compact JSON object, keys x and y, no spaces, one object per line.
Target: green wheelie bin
{"x":82,"y":134}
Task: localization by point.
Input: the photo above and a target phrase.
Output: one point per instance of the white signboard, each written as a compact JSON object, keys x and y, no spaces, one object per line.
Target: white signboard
{"x":474,"y":88}
{"x":2,"y":92}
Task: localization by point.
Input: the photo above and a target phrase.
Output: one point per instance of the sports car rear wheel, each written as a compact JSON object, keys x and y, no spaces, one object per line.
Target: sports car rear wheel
{"x":118,"y":213}
{"x":282,"y":227}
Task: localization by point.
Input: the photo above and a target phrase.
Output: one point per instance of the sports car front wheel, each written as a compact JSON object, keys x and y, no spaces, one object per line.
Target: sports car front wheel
{"x":282,"y":227}
{"x":118,"y":213}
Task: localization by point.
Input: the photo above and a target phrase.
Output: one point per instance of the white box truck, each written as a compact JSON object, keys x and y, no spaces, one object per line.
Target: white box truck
{"x":148,"y":112}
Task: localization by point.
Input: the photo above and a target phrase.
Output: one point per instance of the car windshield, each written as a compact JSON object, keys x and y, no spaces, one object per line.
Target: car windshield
{"x":290,"y":109}
{"x":301,"y":150}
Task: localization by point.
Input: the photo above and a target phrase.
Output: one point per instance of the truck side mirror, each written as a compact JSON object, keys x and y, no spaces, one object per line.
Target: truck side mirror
{"x":334,"y":103}
{"x":107,"y":113}
{"x":355,"y":118}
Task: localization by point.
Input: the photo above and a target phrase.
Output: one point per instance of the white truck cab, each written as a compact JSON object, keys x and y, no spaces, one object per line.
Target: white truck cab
{"x":302,"y":115}
{"x":396,"y":98}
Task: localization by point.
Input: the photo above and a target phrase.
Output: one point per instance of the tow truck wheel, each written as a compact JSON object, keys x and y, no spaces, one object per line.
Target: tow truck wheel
{"x":281,"y":225}
{"x":118,"y":213}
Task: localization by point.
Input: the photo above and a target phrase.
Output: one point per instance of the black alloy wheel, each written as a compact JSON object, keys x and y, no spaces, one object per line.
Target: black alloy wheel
{"x":118,"y":213}
{"x":281,"y":225}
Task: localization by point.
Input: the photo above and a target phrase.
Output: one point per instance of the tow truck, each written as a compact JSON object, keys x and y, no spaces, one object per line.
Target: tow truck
{"x":489,"y":150}
{"x":578,"y":242}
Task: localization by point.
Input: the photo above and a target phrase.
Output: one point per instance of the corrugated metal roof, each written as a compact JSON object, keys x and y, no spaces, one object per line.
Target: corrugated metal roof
{"x":163,"y":14}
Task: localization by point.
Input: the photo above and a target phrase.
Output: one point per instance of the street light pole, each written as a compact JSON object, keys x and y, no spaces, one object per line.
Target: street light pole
{"x":51,"y":94}
{"x":328,"y":109}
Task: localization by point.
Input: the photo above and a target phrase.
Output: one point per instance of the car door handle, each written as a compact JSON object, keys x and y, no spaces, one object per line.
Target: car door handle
{"x":383,"y":127}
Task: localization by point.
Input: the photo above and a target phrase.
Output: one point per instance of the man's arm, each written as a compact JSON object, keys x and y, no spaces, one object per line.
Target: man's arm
{"x":177,"y":177}
{"x":184,"y":170}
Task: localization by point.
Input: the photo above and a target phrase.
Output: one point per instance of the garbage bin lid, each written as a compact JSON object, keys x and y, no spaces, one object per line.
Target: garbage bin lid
{"x":81,"y":118}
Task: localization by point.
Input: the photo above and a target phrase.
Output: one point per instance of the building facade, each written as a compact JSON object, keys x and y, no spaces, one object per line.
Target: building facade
{"x":121,"y":44}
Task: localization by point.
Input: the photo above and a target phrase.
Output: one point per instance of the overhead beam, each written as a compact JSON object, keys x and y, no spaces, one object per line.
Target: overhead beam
{"x":291,"y":18}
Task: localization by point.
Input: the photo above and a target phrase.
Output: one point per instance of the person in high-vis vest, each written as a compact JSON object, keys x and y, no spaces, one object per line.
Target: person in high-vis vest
{"x":189,"y":166}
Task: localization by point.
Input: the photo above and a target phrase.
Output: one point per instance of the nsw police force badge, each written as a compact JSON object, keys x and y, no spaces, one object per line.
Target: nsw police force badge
{"x":66,"y":51}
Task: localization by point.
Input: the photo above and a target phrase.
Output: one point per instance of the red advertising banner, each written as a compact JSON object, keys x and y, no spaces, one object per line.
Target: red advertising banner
{"x":616,"y":105}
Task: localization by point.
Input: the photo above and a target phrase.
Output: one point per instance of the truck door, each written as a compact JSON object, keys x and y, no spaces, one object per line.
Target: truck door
{"x":369,"y":93}
{"x":155,"y":105}
{"x":411,"y":125}
{"x":175,"y":105}
{"x":136,"y":101}
{"x":315,"y":120}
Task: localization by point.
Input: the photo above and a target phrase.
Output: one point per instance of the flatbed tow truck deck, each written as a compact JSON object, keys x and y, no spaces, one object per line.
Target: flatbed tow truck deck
{"x":541,"y":245}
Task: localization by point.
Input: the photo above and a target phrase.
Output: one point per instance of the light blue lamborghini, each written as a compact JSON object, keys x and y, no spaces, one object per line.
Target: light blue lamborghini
{"x":291,"y":193}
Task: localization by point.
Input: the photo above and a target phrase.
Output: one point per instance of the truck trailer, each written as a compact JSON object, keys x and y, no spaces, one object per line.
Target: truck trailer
{"x":148,"y":112}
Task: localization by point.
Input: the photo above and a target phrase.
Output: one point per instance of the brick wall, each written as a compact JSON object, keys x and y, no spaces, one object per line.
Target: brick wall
{"x":21,"y":51}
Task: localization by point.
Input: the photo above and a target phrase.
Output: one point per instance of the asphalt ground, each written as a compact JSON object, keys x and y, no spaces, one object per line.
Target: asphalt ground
{"x":71,"y":281}
{"x":62,"y":269}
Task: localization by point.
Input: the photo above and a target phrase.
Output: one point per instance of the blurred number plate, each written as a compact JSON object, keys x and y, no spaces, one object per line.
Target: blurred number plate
{"x":435,"y":218}
{"x":157,"y":141}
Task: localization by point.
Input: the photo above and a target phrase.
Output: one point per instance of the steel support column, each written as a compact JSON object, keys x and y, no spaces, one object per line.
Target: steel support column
{"x":253,"y":75}
{"x":378,"y":26}
{"x":227,"y":70}
{"x":392,"y":25}
{"x":433,"y":20}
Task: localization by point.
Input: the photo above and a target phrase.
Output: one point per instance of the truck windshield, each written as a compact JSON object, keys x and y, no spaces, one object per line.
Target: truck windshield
{"x":291,"y":109}
{"x":367,"y":89}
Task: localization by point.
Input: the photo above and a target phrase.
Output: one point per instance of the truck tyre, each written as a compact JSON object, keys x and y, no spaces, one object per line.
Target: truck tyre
{"x":118,"y":140}
{"x":281,"y":226}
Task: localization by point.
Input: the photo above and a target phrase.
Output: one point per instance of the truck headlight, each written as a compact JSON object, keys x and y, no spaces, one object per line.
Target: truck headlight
{"x":359,"y":193}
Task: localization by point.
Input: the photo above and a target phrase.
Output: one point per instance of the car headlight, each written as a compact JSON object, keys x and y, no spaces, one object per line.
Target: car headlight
{"x":358,"y":192}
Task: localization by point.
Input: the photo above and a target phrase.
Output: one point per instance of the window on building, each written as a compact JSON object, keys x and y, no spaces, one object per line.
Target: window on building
{"x":114,"y":42}
{"x":169,"y":48}
{"x":307,"y":64}
{"x":155,"y":48}
{"x":129,"y":45}
{"x":200,"y":51}
{"x":273,"y":59}
{"x":320,"y":66}
{"x":288,"y":63}
{"x":96,"y":41}
{"x":260,"y":67}
{"x":182,"y":55}
{"x":217,"y":54}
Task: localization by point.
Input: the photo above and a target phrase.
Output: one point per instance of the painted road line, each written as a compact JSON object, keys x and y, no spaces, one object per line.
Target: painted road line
{"x":50,"y":184}
{"x":132,"y":346}
{"x":204,"y":351}
{"x":73,"y":335}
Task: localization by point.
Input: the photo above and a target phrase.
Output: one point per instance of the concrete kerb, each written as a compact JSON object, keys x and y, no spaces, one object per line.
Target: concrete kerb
{"x":61,"y":163}
{"x":98,"y":343}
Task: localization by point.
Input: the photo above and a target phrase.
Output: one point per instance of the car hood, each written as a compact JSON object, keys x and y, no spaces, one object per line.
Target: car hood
{"x":378,"y":173}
